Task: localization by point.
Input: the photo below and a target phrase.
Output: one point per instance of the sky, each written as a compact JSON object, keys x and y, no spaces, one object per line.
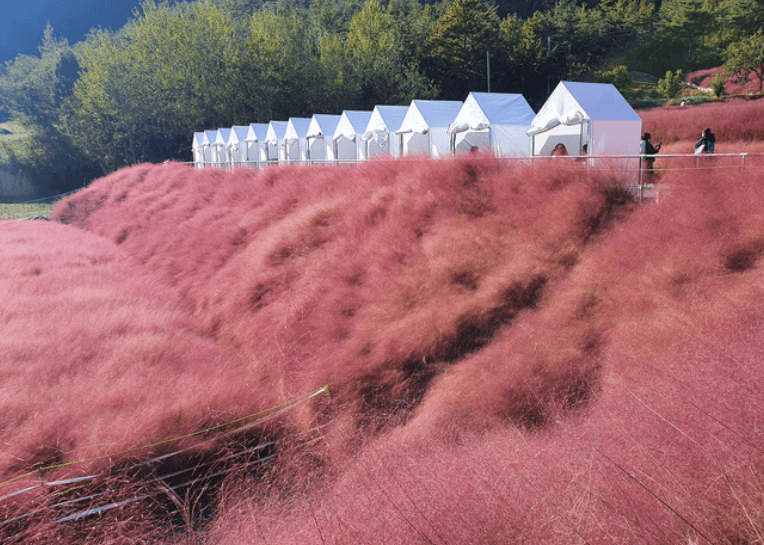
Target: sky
{"x":22,"y":23}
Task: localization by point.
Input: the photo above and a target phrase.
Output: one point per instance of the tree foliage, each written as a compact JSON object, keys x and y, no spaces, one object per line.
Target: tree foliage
{"x":746,"y":57}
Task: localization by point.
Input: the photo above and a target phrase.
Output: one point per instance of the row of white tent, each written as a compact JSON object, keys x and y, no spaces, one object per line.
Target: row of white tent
{"x":588,"y":118}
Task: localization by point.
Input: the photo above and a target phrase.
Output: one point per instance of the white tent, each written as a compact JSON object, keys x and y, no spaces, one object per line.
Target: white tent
{"x":221,"y":143}
{"x":591,"y":114}
{"x":493,"y":121}
{"x":319,"y":137}
{"x":296,"y":141}
{"x":383,"y":123}
{"x":209,"y":149}
{"x":237,"y":145}
{"x":257,"y":149}
{"x":197,"y":150}
{"x":348,"y":145}
{"x":424,"y":129}
{"x":274,"y":139}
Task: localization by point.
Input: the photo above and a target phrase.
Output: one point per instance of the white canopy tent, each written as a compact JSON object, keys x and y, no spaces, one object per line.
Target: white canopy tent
{"x":594,"y":115}
{"x":319,"y":137}
{"x":384,"y":121}
{"x":221,"y":143}
{"x":424,"y":129}
{"x":348,"y":145}
{"x":209,"y":149}
{"x":257,"y":149}
{"x":274,"y":139}
{"x":237,"y":145}
{"x":296,"y":141}
{"x":197,"y":151}
{"x":494,"y":121}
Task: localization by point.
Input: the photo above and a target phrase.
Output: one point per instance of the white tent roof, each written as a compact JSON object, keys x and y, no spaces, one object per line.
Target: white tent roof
{"x":383,"y":120}
{"x":351,"y":124}
{"x":257,"y":132}
{"x":238,"y":134}
{"x":276,"y":130}
{"x":485,"y":110}
{"x":198,"y":140}
{"x":297,"y":129}
{"x":572,"y":103}
{"x":209,"y":138}
{"x":323,"y":125}
{"x":222,"y":137}
{"x":423,"y":115}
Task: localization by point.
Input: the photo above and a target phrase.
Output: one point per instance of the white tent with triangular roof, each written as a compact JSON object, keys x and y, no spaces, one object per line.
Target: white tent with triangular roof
{"x":221,"y":143}
{"x":348,"y":145}
{"x":493,"y":121}
{"x":319,"y":137}
{"x":257,"y":149}
{"x":296,"y":141}
{"x":591,"y":114}
{"x":379,"y":137}
{"x":237,"y":145}
{"x":209,"y":149}
{"x":274,"y":139}
{"x":594,"y":115}
{"x":197,"y":150}
{"x":425,"y":128}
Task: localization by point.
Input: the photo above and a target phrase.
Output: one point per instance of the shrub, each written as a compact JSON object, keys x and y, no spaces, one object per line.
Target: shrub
{"x":618,"y":76}
{"x":671,"y":84}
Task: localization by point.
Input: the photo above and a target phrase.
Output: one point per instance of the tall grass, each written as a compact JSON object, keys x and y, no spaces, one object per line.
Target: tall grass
{"x":515,"y":354}
{"x":735,"y":124}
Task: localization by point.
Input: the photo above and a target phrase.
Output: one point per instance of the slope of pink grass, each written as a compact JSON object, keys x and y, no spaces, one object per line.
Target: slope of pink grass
{"x":737,"y":124}
{"x":733,"y":85}
{"x":626,"y":407}
{"x":515,"y":354}
{"x":98,"y":358}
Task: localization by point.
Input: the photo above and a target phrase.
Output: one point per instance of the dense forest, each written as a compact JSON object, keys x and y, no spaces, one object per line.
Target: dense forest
{"x":139,"y":93}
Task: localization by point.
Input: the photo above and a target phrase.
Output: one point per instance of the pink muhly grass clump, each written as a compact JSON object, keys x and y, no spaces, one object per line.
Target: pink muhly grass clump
{"x":99,"y":359}
{"x":514,"y":353}
{"x":733,"y":85}
{"x":372,"y":279}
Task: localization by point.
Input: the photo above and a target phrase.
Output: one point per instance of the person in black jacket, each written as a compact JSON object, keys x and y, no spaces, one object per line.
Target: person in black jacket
{"x":647,"y":149}
{"x":706,"y":142}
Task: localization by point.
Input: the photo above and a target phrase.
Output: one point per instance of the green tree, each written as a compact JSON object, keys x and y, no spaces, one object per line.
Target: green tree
{"x":671,"y":84}
{"x":172,"y":71}
{"x":35,"y":92}
{"x":618,"y":76}
{"x":739,"y":17}
{"x":524,"y":67}
{"x":685,"y":31}
{"x":746,"y":57}
{"x":461,"y":39}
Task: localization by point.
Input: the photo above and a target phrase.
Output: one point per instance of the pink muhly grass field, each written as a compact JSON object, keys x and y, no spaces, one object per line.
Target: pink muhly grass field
{"x":99,"y":359}
{"x":735,"y":124}
{"x":733,"y":85}
{"x":514,"y":354}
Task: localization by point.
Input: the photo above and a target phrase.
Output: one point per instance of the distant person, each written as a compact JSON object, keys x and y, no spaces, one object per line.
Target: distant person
{"x":706,"y":142}
{"x":647,"y":149}
{"x":559,"y":150}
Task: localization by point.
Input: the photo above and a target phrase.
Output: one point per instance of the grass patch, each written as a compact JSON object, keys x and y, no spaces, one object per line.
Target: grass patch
{"x":18,"y":211}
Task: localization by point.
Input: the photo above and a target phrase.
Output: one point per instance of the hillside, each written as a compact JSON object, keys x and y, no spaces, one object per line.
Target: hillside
{"x":513,"y":354}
